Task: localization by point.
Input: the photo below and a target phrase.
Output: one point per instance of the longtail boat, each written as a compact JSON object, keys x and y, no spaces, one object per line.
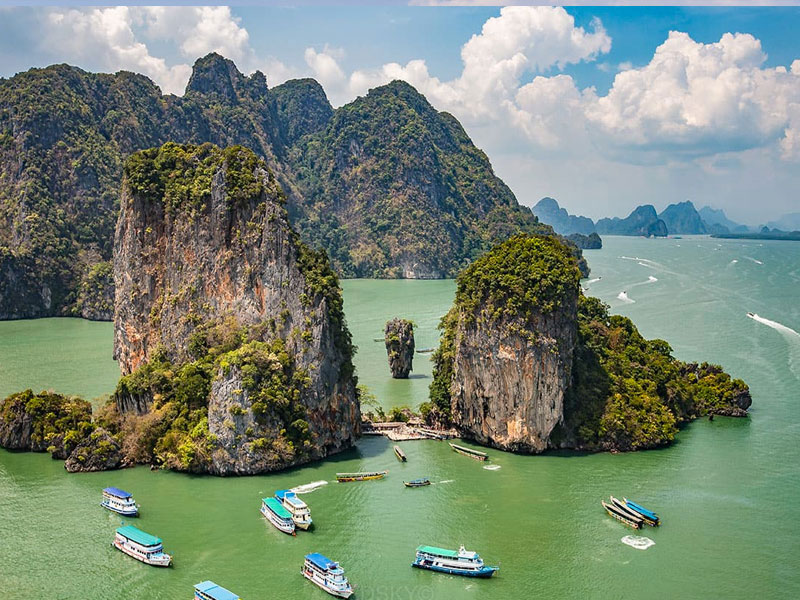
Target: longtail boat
{"x":452,"y":562}
{"x":401,"y":456}
{"x":622,"y":507}
{"x":366,"y":476}
{"x":417,"y":482}
{"x":647,"y":516}
{"x":623,"y":517}
{"x":476,"y":454}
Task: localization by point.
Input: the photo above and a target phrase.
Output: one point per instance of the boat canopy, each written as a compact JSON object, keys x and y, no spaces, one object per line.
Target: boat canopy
{"x":137,"y":535}
{"x":276,"y":507}
{"x":438,"y":551}
{"x":214,"y":591}
{"x":112,"y":491}
{"x":323,"y":562}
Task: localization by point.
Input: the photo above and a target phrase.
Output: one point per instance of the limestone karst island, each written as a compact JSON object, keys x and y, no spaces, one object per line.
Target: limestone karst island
{"x":399,"y":301}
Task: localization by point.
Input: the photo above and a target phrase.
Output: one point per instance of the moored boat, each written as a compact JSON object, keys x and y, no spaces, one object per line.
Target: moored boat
{"x":208,"y":590}
{"x":417,"y":482}
{"x":622,"y":516}
{"x":460,"y":562}
{"x":365,"y":476}
{"x":327,"y":574}
{"x":119,"y":501}
{"x":301,"y":515}
{"x":476,"y":454}
{"x":276,"y":514}
{"x":398,"y":452}
{"x":141,"y":546}
{"x":648,"y":516}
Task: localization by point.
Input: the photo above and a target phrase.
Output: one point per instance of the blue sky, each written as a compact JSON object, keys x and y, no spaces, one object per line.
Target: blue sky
{"x":600,"y":107}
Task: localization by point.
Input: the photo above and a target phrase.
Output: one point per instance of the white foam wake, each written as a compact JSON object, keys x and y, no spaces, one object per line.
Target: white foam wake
{"x":734,"y":261}
{"x":447,"y":481}
{"x":624,"y":297}
{"x":596,"y":279}
{"x":652,"y":279}
{"x":758,"y":262}
{"x":492,"y":467}
{"x":637,"y":541}
{"x":308,"y":487}
{"x":775,"y":325}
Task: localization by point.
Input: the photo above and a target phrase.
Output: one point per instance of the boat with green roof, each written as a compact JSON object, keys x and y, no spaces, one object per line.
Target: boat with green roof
{"x":454,"y":562}
{"x":276,"y":514}
{"x":141,"y":546}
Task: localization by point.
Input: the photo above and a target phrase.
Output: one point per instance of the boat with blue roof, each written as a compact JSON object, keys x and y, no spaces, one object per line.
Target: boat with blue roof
{"x":460,"y":562}
{"x":276,"y":514}
{"x":141,"y":545}
{"x":120,"y":502}
{"x":208,"y":590}
{"x":648,"y":516}
{"x":327,"y":574}
{"x":301,"y":514}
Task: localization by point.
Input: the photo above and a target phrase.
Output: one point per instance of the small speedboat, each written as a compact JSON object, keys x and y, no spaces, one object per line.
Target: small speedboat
{"x":398,"y":452}
{"x":208,"y":590}
{"x":417,"y":482}
{"x":276,"y":514}
{"x":120,"y":502}
{"x":365,"y":476}
{"x":453,"y":562}
{"x":463,"y":450}
{"x":647,"y":516}
{"x":301,"y":515}
{"x":327,"y":574}
{"x":142,"y":546}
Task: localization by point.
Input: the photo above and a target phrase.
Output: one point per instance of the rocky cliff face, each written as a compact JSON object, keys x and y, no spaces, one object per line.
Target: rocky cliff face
{"x":512,"y":333}
{"x":683,"y":218}
{"x":548,"y":211}
{"x":211,"y":280}
{"x":398,"y":337}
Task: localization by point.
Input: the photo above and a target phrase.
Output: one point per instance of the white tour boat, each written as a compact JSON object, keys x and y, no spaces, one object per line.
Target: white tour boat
{"x":327,"y":574}
{"x":141,"y":546}
{"x":301,"y":515}
{"x":277,"y":515}
{"x":120,"y":502}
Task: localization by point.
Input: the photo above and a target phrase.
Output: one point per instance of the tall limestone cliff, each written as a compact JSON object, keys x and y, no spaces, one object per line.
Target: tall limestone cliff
{"x":229,"y":330}
{"x":511,"y":335}
{"x":643,"y":221}
{"x":527,"y":363}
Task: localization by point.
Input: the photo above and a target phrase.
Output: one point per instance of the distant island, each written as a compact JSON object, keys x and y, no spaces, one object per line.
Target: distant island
{"x":764,"y":234}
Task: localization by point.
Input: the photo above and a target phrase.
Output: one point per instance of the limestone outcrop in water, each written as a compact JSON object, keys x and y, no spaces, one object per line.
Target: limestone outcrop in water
{"x":229,"y":331}
{"x":399,"y":339}
{"x":527,"y":363}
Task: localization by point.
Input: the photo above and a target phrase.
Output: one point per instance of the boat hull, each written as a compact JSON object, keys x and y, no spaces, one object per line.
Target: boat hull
{"x":333,"y":592}
{"x":366,"y":477}
{"x":622,"y":518}
{"x":473,"y":454}
{"x":414,"y":484}
{"x":483,"y":572}
{"x":305,"y":526}
{"x":278,"y":523}
{"x":647,"y":516}
{"x":121,"y":511}
{"x":162,"y":560}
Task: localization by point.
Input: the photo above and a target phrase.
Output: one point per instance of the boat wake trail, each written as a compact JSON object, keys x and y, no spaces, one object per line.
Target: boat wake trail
{"x":758,"y":262}
{"x":308,"y":487}
{"x":775,"y":325}
{"x":446,"y":481}
{"x":492,"y":467}
{"x":595,"y":280}
{"x":624,"y":297}
{"x":637,"y":541}
{"x":734,"y":261}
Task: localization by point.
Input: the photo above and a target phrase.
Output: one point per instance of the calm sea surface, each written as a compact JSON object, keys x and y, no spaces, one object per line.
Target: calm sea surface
{"x":728,"y":491}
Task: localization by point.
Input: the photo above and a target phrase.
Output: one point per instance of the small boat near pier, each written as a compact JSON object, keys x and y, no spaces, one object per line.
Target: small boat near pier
{"x":327,"y":574}
{"x":463,"y":450}
{"x":120,"y":502}
{"x":398,"y":452}
{"x":417,"y":482}
{"x":647,"y":516}
{"x":208,"y":590}
{"x":301,"y":514}
{"x":621,"y":515}
{"x":276,"y":514}
{"x":142,"y":546}
{"x":365,"y":476}
{"x":460,"y":562}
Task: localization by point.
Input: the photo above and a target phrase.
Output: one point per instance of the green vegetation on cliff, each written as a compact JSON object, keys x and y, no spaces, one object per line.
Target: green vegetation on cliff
{"x":629,"y":393}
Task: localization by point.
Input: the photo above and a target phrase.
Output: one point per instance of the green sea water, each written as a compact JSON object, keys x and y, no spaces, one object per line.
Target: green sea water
{"x":728,"y":491}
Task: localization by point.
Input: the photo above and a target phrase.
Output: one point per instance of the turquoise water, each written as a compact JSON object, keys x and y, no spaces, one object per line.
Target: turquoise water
{"x":727,"y":491}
